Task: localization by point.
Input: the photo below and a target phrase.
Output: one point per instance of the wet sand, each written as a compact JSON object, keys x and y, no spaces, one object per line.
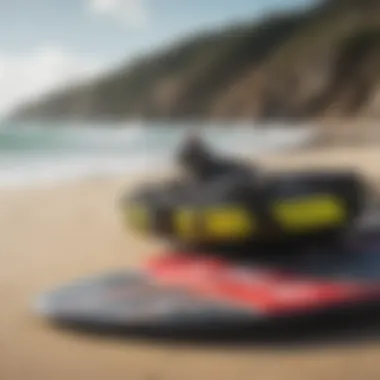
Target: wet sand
{"x":56,"y":234}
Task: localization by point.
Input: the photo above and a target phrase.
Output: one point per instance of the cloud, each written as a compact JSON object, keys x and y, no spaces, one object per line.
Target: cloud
{"x":25,"y":77}
{"x":133,"y":13}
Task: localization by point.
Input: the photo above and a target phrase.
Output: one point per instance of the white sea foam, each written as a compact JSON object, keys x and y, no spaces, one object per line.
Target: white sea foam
{"x":34,"y":154}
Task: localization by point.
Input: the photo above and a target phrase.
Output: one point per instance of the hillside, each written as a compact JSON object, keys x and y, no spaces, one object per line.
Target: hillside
{"x":323,"y":62}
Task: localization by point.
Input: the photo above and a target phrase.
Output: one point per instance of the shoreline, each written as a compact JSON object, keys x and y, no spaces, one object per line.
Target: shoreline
{"x":321,"y":143}
{"x":32,"y":164}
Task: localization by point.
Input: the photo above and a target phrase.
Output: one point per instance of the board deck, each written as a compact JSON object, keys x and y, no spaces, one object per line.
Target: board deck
{"x":182,"y":291}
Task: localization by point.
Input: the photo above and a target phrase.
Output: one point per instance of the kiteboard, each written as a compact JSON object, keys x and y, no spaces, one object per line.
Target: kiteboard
{"x":186,"y":292}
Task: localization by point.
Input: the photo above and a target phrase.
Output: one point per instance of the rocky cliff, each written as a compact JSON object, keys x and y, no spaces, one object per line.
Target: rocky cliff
{"x":323,"y":62}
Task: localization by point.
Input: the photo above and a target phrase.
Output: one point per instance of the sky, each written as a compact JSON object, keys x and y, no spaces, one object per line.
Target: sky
{"x":47,"y":44}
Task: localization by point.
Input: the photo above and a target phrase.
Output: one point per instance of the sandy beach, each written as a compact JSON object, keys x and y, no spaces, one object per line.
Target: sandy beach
{"x":56,"y":234}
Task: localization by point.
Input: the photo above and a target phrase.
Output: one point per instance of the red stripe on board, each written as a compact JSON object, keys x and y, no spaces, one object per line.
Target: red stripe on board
{"x":259,"y":288}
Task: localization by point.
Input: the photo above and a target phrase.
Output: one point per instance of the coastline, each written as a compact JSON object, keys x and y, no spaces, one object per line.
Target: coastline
{"x":53,"y":235}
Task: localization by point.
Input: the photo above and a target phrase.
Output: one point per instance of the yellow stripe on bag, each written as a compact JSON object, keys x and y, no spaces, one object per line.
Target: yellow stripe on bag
{"x":185,"y":222}
{"x":311,"y":212}
{"x":214,"y":223}
{"x":228,"y":223}
{"x":138,"y":217}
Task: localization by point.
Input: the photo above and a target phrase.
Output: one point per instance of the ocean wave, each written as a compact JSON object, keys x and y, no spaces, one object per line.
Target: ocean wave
{"x":35,"y":154}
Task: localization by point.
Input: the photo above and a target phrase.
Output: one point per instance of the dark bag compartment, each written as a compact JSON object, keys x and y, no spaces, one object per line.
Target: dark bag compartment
{"x":274,"y":208}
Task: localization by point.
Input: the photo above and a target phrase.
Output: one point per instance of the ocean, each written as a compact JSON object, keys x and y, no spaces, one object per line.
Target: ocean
{"x":40,"y":154}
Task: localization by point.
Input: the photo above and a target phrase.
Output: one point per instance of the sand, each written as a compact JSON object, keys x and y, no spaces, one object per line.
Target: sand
{"x":56,"y":234}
